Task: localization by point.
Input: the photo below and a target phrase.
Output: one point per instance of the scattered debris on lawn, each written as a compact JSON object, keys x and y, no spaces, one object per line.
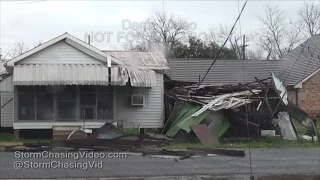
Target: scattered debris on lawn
{"x":233,"y":110}
{"x":192,"y":152}
{"x":107,"y":138}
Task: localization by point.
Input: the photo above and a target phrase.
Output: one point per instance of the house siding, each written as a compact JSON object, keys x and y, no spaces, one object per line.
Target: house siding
{"x":308,"y":95}
{"x":7,"y":112}
{"x":60,"y":53}
{"x":149,"y":116}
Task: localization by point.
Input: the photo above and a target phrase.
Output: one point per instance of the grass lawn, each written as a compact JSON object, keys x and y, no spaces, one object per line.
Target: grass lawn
{"x":6,"y":139}
{"x":275,"y":142}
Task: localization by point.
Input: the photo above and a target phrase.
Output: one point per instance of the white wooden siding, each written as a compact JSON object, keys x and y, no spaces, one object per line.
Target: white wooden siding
{"x":7,"y":114}
{"x":149,"y":116}
{"x":60,"y":53}
{"x":6,"y":85}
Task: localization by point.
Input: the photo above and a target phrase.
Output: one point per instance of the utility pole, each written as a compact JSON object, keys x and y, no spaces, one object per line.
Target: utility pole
{"x":244,"y":47}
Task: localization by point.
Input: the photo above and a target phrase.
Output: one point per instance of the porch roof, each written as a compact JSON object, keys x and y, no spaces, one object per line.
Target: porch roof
{"x":81,"y":74}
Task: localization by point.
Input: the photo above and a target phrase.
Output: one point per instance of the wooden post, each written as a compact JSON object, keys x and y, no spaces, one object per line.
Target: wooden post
{"x":16,"y":134}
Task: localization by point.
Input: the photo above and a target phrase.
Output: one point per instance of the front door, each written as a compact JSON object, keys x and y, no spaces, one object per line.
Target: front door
{"x":66,"y":103}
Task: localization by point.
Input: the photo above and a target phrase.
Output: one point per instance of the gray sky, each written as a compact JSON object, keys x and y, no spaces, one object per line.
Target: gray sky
{"x":44,"y":20}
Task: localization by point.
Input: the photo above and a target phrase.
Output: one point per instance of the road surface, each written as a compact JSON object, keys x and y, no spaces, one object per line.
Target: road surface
{"x":268,"y":161}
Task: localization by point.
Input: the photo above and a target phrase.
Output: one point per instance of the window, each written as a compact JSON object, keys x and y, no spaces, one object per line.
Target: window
{"x":105,"y":105}
{"x":66,"y":102}
{"x":87,"y":102}
{"x":96,"y":102}
{"x":60,"y":103}
{"x":44,"y":98}
{"x":26,"y":103}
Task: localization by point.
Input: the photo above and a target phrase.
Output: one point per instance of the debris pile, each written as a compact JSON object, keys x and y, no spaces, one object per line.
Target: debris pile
{"x":106,"y":138}
{"x":247,"y":108}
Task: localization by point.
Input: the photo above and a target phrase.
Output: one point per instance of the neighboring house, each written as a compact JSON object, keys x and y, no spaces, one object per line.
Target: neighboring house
{"x":67,"y":82}
{"x":301,"y":74}
{"x":299,"y":70}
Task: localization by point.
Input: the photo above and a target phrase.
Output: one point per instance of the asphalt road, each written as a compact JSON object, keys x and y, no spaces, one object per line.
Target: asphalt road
{"x":268,"y":162}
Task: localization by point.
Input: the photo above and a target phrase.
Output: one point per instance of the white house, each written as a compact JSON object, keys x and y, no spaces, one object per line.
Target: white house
{"x":67,"y":82}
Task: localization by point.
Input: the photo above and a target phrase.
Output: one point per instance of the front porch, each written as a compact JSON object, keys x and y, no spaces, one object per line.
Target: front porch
{"x":64,"y":104}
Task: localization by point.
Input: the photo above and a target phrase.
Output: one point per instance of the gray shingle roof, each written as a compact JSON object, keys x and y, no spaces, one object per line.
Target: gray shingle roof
{"x":301,"y":61}
{"x":291,"y":69}
{"x":223,"y":71}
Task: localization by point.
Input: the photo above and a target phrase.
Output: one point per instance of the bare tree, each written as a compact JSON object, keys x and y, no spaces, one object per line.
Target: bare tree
{"x":254,"y":55}
{"x":38,"y":44}
{"x":141,"y":46}
{"x":309,"y":18}
{"x":277,"y":36}
{"x":163,"y":29}
{"x":4,"y":56}
{"x":18,"y":49}
{"x":235,"y":42}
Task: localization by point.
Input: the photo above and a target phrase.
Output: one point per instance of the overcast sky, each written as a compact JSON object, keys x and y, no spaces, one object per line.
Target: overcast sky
{"x":32,"y":21}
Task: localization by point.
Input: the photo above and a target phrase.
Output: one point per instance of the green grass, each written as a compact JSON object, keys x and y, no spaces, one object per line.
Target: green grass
{"x":274,"y":142}
{"x":6,"y":139}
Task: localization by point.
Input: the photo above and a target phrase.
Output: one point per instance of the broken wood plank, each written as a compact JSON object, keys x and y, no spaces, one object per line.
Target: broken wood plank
{"x":227,"y":152}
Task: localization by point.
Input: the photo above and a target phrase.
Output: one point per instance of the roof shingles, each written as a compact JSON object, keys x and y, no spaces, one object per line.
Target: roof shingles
{"x":292,"y":68}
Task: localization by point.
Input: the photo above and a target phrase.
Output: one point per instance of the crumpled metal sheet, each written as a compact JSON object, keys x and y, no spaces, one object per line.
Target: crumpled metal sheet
{"x":181,"y":111}
{"x":219,"y":123}
{"x":302,"y":117}
{"x":281,"y":88}
{"x":285,"y":125}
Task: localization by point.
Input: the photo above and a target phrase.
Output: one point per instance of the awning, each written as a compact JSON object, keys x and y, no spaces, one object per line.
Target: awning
{"x":81,"y":74}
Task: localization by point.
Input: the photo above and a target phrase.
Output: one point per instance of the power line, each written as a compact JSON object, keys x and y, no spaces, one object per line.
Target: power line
{"x":246,"y":108}
{"x":223,"y":44}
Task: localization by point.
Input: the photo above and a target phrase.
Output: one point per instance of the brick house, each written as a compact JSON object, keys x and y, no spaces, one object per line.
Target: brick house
{"x":299,"y":70}
{"x":301,"y":74}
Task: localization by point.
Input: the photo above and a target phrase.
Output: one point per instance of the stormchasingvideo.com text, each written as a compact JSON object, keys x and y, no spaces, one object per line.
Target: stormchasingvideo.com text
{"x":63,"y":160}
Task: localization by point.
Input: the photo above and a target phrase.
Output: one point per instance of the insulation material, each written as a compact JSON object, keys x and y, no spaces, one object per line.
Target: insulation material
{"x":285,"y":125}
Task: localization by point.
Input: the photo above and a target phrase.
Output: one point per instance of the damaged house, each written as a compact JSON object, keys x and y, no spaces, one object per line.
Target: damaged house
{"x":235,"y":91}
{"x":67,"y":82}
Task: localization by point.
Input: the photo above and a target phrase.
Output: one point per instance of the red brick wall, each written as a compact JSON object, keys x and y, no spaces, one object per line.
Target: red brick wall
{"x":309,"y":95}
